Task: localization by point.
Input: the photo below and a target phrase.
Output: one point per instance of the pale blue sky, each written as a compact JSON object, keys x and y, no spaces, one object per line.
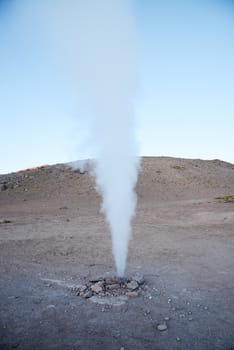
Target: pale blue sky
{"x":185,"y":104}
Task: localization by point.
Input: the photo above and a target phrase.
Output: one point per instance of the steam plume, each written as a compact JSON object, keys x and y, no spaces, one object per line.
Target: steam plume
{"x":108,"y":65}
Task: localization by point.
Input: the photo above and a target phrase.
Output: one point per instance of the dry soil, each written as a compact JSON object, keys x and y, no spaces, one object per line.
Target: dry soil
{"x":54,"y":239}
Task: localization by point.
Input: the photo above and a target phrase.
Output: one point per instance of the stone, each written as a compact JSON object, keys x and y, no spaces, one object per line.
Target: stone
{"x":112,"y":286}
{"x":139,"y":278}
{"x":112,"y":280}
{"x":123,"y":280}
{"x":162,"y":327}
{"x":81,"y":290}
{"x":133,"y":285}
{"x":88,"y":294}
{"x":132,"y":294}
{"x":167,"y":318}
{"x":97,"y":287}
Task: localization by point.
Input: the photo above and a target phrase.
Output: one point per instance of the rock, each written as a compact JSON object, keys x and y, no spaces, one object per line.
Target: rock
{"x":146,"y":312}
{"x":162,"y":327}
{"x":97,"y":287}
{"x":123,"y":280}
{"x":81,"y":290}
{"x":139,"y":278}
{"x":132,"y":285}
{"x":112,"y":280}
{"x":87,"y":294}
{"x":132,"y":294}
{"x":112,"y":286}
{"x":167,"y":318}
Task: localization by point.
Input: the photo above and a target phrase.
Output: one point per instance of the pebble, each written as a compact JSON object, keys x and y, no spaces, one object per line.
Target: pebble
{"x":88,"y":295}
{"x":111,"y":280}
{"x":97,"y":287}
{"x":82,"y":289}
{"x":178,"y":339}
{"x":167,"y":318}
{"x":132,"y":285}
{"x":162,"y":327}
{"x":139,"y":278}
{"x":146,"y":312}
{"x":113,"y":286}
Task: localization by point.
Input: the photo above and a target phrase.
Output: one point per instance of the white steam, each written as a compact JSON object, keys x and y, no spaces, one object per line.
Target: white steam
{"x":106,"y":42}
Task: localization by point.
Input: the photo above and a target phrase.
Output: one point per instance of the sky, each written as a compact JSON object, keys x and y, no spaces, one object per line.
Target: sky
{"x":184,"y":105}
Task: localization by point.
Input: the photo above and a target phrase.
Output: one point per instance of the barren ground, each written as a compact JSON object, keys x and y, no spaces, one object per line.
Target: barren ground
{"x":182,"y":242}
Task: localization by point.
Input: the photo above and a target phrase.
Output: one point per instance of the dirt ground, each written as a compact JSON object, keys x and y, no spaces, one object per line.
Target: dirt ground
{"x":182,"y":242}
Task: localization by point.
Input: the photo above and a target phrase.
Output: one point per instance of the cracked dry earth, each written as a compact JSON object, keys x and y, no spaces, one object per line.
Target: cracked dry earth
{"x":55,"y":245}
